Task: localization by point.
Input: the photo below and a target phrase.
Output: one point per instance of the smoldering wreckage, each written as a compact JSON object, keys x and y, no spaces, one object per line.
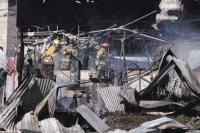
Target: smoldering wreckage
{"x":117,"y":95}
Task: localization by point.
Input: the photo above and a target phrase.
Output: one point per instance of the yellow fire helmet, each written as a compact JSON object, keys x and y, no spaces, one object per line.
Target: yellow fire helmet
{"x":56,"y":42}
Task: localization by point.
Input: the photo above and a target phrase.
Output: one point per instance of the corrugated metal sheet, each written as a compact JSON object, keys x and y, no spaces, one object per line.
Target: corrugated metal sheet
{"x":184,"y":72}
{"x":28,"y":124}
{"x":54,"y":126}
{"x":26,"y":84}
{"x":27,"y":95}
{"x":9,"y":110}
{"x":98,"y":124}
{"x":52,"y":103}
{"x":157,"y":104}
{"x":160,"y":123}
{"x":111,"y":98}
{"x":129,"y":95}
{"x":37,"y":93}
{"x":187,"y":75}
{"x":50,"y":126}
{"x":7,"y":117}
{"x":51,"y":100}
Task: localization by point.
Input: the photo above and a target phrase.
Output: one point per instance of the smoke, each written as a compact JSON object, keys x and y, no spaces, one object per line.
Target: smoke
{"x":182,"y":34}
{"x":184,"y":39}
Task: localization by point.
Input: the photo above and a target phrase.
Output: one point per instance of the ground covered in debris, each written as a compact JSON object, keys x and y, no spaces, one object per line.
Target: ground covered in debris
{"x":130,"y":121}
{"x":127,"y":121}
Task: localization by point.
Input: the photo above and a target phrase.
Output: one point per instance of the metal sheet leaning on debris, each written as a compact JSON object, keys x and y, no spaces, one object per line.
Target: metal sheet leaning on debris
{"x":51,"y":100}
{"x":111,"y":98}
{"x":8,"y":112}
{"x":28,"y":124}
{"x":131,"y":96}
{"x":31,"y":88}
{"x":160,"y":123}
{"x":183,"y":71}
{"x":40,"y":90}
{"x":98,"y":124}
{"x":155,"y":125}
{"x":52,"y":125}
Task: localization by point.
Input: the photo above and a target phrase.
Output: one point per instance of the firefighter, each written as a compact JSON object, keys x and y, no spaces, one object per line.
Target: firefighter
{"x":67,"y":51}
{"x":50,"y":52}
{"x":48,"y":64}
{"x":101,"y":56}
{"x":70,"y":54}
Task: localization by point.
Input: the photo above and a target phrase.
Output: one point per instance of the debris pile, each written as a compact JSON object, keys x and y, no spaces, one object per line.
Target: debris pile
{"x":99,"y":87}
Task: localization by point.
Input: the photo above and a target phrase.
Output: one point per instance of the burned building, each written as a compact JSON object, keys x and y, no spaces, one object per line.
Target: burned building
{"x":99,"y":66}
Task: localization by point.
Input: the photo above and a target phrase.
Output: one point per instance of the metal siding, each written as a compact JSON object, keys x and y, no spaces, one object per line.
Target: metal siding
{"x":28,"y":124}
{"x":52,"y":103}
{"x":37,"y":93}
{"x":50,"y":126}
{"x":111,"y":98}
{"x":28,"y":95}
{"x":9,"y":110}
{"x":8,"y":115}
{"x":98,"y":124}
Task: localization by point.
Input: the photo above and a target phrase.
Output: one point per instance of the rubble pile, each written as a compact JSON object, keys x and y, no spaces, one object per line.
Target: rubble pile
{"x":173,"y":92}
{"x":99,"y":88}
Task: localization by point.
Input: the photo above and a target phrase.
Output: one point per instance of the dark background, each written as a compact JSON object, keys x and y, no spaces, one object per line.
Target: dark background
{"x":67,"y":14}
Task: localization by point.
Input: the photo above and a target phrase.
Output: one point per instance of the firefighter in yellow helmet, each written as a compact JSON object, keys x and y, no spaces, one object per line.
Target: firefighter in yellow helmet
{"x":100,"y":63}
{"x":48,"y":64}
{"x":51,"y":51}
{"x":67,"y":51}
{"x":101,"y":56}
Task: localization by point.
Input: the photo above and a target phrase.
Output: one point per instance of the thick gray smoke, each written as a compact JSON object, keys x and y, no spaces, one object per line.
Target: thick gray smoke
{"x":184,"y":36}
{"x":184,"y":39}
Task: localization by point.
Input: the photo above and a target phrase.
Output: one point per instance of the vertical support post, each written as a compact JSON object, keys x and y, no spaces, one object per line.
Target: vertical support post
{"x":75,"y":68}
{"x":20,"y":58}
{"x":124,"y":56}
{"x":140,"y":84}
